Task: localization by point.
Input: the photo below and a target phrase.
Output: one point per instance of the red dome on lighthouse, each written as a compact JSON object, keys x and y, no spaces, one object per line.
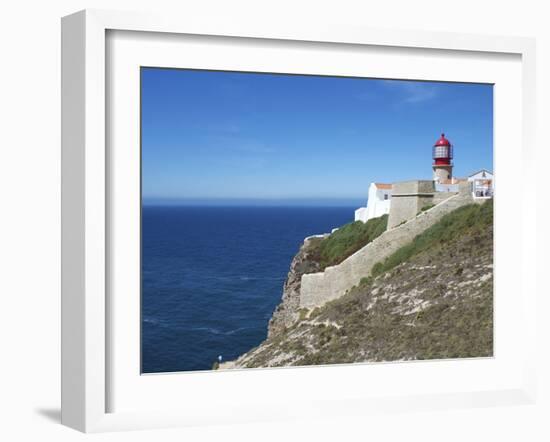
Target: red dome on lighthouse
{"x":442,"y":152}
{"x":442,"y":141}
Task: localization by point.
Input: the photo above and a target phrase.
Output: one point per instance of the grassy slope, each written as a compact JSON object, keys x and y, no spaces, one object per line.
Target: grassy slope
{"x":471,"y":220}
{"x":345,"y":241}
{"x":431,"y":299}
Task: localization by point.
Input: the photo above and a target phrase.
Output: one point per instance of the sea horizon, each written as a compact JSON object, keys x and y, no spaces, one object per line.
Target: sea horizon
{"x":256,"y":202}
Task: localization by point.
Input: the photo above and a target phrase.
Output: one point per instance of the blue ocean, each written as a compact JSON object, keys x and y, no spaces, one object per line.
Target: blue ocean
{"x":212,"y":276}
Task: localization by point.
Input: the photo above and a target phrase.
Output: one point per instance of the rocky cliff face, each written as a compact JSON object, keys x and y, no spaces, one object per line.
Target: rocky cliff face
{"x":286,"y":312}
{"x":433,"y":299}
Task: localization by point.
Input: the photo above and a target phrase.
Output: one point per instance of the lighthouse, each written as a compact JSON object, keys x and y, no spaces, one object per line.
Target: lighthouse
{"x":442,"y":160}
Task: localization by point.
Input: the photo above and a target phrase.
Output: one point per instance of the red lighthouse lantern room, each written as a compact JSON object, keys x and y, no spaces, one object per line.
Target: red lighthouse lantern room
{"x":442,"y":159}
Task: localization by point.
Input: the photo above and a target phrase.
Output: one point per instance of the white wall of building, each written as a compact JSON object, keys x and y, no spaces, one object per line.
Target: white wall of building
{"x":378,"y":204}
{"x":441,"y":187}
{"x":381,"y":200}
{"x":361,"y":214}
{"x":483,"y":174}
{"x":482,"y":184}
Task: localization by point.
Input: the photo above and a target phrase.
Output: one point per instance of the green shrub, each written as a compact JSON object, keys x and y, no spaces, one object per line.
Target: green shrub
{"x":365,"y":281}
{"x":348,"y":239}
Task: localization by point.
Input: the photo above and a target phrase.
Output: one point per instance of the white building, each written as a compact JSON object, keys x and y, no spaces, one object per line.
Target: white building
{"x":482,"y":184}
{"x":378,"y":202}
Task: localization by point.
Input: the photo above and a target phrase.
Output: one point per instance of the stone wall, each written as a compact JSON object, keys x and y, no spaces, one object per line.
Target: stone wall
{"x":441,"y":196}
{"x":408,"y":198}
{"x":319,"y":288}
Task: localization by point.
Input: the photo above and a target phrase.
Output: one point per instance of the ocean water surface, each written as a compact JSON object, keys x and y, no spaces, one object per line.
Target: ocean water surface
{"x":212,"y":276}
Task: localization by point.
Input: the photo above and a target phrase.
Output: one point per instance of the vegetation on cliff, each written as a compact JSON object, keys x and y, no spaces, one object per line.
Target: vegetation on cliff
{"x":471,"y":221}
{"x":431,"y":299}
{"x":345,"y":241}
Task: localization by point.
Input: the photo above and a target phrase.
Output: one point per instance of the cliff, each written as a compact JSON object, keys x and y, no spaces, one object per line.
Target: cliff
{"x":432,"y":298}
{"x":315,"y":255}
{"x":303,"y":262}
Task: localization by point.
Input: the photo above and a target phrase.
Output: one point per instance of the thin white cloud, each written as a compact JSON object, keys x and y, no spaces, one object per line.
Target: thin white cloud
{"x":414,"y":91}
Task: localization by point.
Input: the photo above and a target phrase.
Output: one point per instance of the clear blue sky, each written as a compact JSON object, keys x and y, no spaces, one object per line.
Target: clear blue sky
{"x":210,"y":137}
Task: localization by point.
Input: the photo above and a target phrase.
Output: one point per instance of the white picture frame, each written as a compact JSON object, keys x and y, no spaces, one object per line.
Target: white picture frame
{"x":86,"y":202}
